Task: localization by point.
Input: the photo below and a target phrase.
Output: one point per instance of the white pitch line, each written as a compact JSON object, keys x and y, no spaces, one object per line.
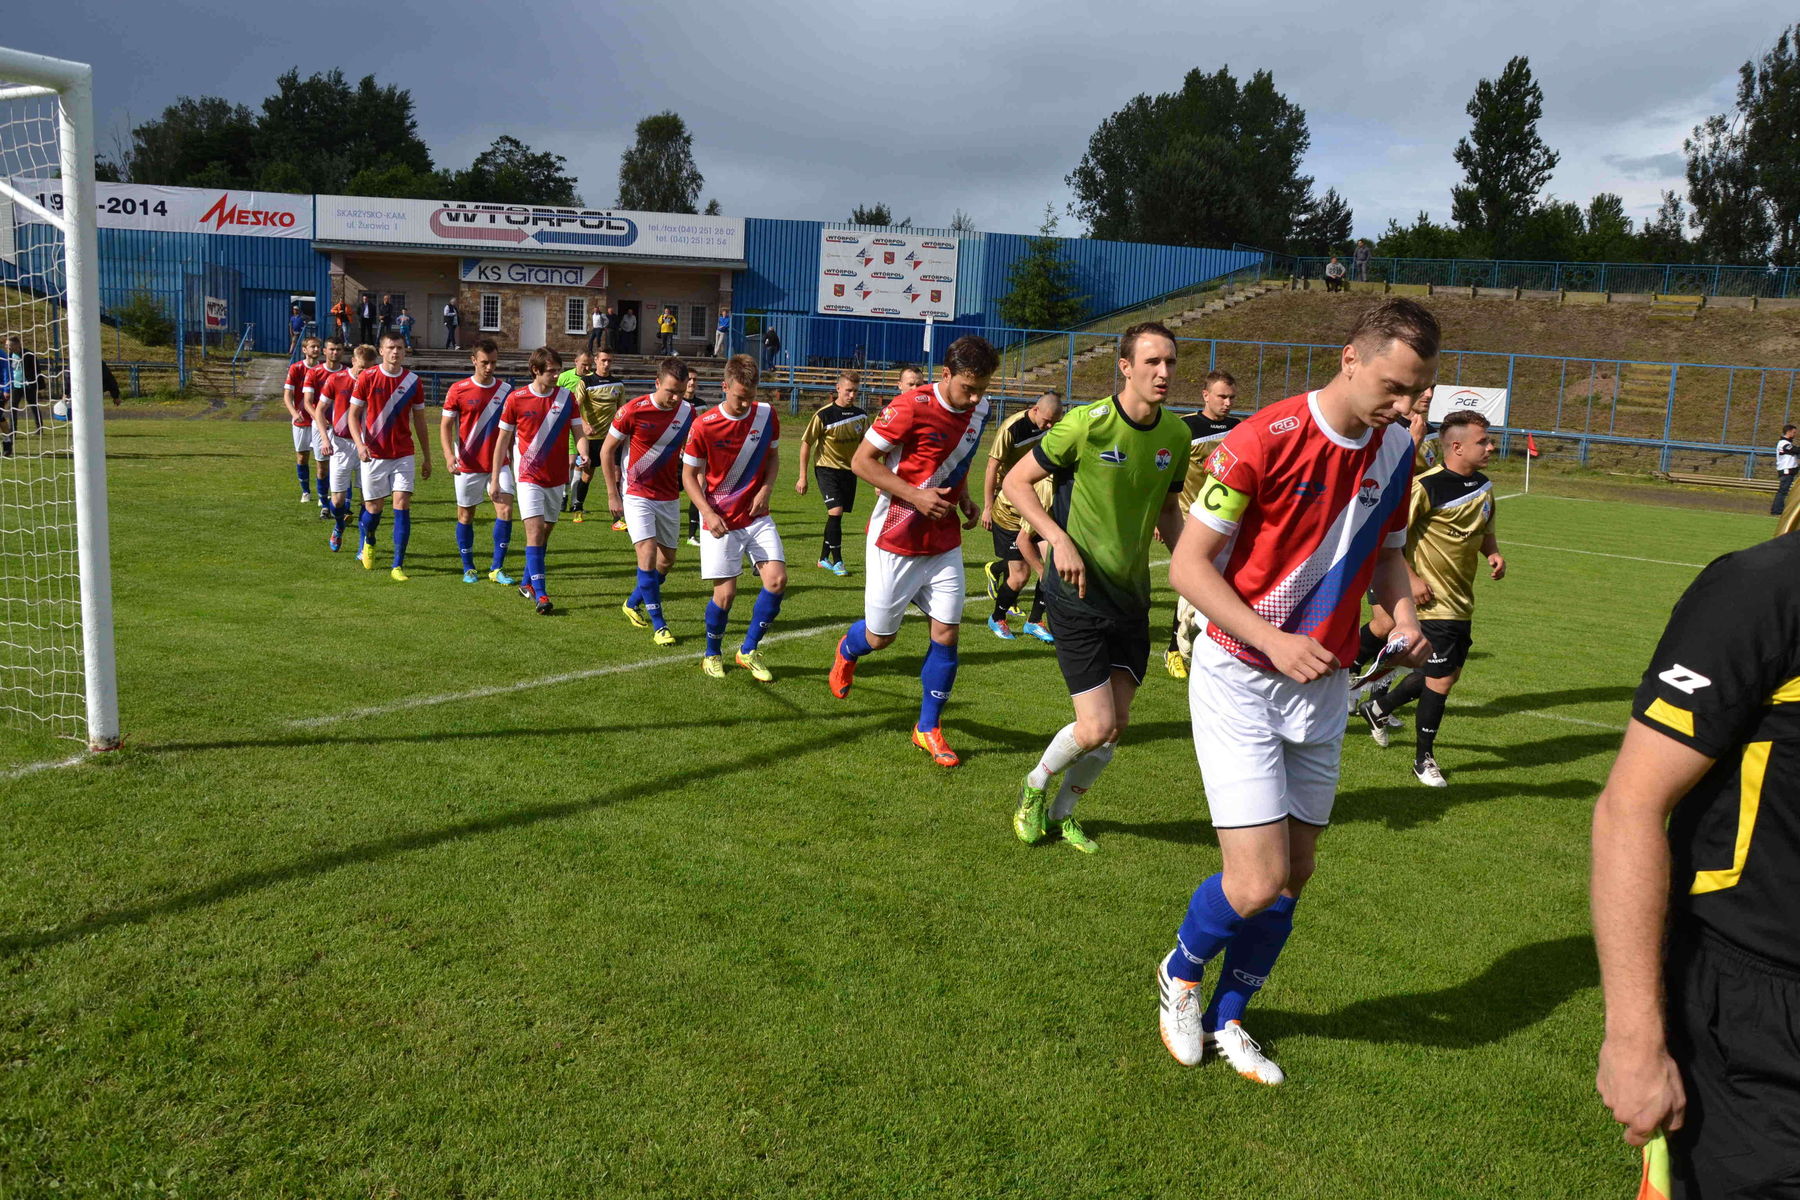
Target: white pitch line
{"x":1549,"y":716}
{"x":1666,"y":562}
{"x":526,"y":685}
{"x":34,"y":768}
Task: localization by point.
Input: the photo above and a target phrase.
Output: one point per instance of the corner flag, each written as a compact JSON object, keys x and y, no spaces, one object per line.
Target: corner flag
{"x":1531,"y":450}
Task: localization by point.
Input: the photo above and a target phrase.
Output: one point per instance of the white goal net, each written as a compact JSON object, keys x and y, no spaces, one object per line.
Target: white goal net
{"x":56,"y":660}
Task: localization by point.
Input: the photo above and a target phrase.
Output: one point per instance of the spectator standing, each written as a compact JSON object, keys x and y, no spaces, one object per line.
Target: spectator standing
{"x":403,"y":326}
{"x":1787,"y":461}
{"x":723,"y":333}
{"x":628,"y":332}
{"x":296,"y":324}
{"x":665,"y":328}
{"x":387,"y":315}
{"x":610,"y":329}
{"x":596,"y":328}
{"x":452,"y":321}
{"x":365,"y":315}
{"x":1334,"y":275}
{"x":771,"y":346}
{"x":1360,"y":258}
{"x":340,"y":317}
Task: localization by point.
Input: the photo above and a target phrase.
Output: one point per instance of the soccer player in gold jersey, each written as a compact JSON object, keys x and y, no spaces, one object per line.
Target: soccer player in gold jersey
{"x":1007,"y":573}
{"x":831,"y":438}
{"x":1450,"y":531}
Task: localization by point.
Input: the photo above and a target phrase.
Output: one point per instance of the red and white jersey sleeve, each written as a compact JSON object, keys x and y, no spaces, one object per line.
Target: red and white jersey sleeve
{"x":734,"y":454}
{"x":541,"y":425}
{"x":929,"y":445}
{"x":1307,"y":512}
{"x":388,"y":402}
{"x":296,"y":387}
{"x":309,"y":387}
{"x":477,"y":410}
{"x":336,"y":391}
{"x":653,"y":439}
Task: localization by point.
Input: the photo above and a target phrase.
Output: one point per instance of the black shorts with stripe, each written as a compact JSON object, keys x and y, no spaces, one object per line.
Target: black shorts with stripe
{"x":1089,"y":647}
{"x":837,"y":487}
{"x":1006,"y":545}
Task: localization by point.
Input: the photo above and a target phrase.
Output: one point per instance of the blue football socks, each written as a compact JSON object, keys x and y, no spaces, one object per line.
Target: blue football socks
{"x":1210,"y":923}
{"x":402,"y":531}
{"x":534,"y":570}
{"x":856,"y":642}
{"x":502,"y":539}
{"x":715,"y":627}
{"x":465,"y":544}
{"x":366,"y":525}
{"x":305,"y":478}
{"x":937,"y":675}
{"x":341,"y":514}
{"x":768,"y":607}
{"x":1249,"y":958}
{"x":649,"y":591}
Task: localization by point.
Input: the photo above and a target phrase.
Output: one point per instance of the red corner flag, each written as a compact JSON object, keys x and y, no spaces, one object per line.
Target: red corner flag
{"x":1531,"y":450}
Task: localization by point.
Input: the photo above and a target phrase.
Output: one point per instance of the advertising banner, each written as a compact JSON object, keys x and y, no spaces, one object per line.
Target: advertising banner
{"x":184,"y":210}
{"x":1489,"y":402}
{"x":888,"y":274}
{"x":216,"y":313}
{"x":500,"y":227}
{"x":507,"y":270}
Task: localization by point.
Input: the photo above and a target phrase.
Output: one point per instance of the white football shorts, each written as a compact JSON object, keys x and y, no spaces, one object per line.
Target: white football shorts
{"x":344,"y":464}
{"x":723,"y":557}
{"x":1268,"y":747}
{"x":471,"y":487}
{"x":303,"y":438}
{"x":536,"y":500}
{"x":897,"y":580}
{"x":382,"y":477}
{"x":653,"y":520}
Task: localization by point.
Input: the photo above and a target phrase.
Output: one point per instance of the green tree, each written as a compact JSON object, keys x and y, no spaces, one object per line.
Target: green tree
{"x":106,"y":171}
{"x":1041,"y":285}
{"x":1729,"y":209}
{"x":1664,"y":239}
{"x":510,"y":172}
{"x":657,"y":172}
{"x":1424,"y":238}
{"x":1608,"y":236}
{"x":329,"y":130}
{"x":1323,"y":225}
{"x":208,"y":138}
{"x":398,"y":180}
{"x":961,"y":222}
{"x":1214,"y":163}
{"x":1769,"y":102}
{"x":877,"y":214}
{"x":1505,"y":163}
{"x":1554,"y":231}
{"x":712,"y":207}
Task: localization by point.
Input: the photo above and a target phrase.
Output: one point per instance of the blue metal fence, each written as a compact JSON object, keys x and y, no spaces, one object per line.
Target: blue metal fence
{"x":1690,"y":279}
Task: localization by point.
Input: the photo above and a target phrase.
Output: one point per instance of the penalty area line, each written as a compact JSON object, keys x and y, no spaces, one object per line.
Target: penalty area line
{"x":34,"y":768}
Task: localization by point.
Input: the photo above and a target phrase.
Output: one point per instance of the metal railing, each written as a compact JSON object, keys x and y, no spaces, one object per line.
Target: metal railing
{"x":1688,"y":279}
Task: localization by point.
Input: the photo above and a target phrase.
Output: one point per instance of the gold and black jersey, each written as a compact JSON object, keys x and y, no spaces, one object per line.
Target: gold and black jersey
{"x":835,"y":431}
{"x":600,"y":397}
{"x":1725,"y":681}
{"x":1015,"y":440}
{"x":1427,"y":454}
{"x":1046,"y":494}
{"x":1204,"y":433}
{"x":1451,"y":516}
{"x":1790,"y":516}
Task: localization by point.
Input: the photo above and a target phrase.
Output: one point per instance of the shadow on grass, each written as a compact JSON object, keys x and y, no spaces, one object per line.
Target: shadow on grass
{"x":1407,"y":804}
{"x":1520,"y":990}
{"x":1505,"y":706}
{"x":384,"y":848}
{"x":1571,"y":747}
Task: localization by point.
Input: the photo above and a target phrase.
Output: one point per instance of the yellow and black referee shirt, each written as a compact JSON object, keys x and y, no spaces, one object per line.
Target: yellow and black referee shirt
{"x":1725,"y":680}
{"x":1451,"y":516}
{"x":1015,"y":440}
{"x":836,"y":430}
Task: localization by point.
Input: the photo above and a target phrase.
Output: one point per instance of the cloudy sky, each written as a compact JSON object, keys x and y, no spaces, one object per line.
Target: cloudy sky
{"x":803,"y":109}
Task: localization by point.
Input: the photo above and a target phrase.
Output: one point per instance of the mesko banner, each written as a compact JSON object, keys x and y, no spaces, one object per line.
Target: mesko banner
{"x":502,"y":227}
{"x":908,"y":275}
{"x":507,"y":270}
{"x":1489,"y":402}
{"x":183,"y":210}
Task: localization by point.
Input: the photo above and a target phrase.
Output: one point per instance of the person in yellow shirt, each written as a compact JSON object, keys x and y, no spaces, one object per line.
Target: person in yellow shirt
{"x":665,"y":326}
{"x":831,"y":437}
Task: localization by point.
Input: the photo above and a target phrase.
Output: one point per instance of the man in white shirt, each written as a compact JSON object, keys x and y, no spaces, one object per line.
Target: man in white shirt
{"x":597,"y":324}
{"x":1787,"y":462}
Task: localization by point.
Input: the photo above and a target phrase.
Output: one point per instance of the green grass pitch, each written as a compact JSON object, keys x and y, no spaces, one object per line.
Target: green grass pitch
{"x":361,"y":910}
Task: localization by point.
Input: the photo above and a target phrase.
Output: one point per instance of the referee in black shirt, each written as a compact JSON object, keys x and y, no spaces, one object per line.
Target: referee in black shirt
{"x":1696,"y":887}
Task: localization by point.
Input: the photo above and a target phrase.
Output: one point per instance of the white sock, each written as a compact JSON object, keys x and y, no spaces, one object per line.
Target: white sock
{"x":1078,"y":779}
{"x":1062,"y":750}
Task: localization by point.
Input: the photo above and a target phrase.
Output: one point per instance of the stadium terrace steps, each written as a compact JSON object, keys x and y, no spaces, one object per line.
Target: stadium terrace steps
{"x":1676,"y":308}
{"x":1230,"y":298}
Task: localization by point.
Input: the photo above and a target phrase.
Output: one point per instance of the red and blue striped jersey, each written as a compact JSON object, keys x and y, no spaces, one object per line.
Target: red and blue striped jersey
{"x":541,"y":424}
{"x":387,"y":402}
{"x":477,"y":410}
{"x":734,"y":455}
{"x":653,"y":439}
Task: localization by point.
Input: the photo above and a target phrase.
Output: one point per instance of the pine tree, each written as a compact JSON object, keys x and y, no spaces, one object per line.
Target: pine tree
{"x":1041,"y":291}
{"x":657,"y":172}
{"x":1505,"y":163}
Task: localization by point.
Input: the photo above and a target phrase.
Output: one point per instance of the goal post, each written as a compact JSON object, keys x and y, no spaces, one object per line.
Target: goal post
{"x":52,"y":277}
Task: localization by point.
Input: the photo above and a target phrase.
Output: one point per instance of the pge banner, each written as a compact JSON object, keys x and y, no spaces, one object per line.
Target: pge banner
{"x":1489,"y":402}
{"x":183,"y":210}
{"x":499,"y":228}
{"x":908,"y":275}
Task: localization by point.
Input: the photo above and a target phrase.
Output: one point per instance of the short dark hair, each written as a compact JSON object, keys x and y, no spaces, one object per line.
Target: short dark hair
{"x":1396,"y":319}
{"x":543,"y":358}
{"x":394,"y":338}
{"x":1129,"y":339}
{"x":1212,"y":377}
{"x":1052,"y":394}
{"x":741,"y":368}
{"x":1458,"y":419}
{"x":673,"y":368}
{"x":486,"y":346}
{"x":1786,"y":428}
{"x":971,"y":355}
{"x":905,"y":367}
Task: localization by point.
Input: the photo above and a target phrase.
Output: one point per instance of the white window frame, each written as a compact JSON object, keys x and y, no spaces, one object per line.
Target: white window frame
{"x":575,"y":316}
{"x":486,"y":325}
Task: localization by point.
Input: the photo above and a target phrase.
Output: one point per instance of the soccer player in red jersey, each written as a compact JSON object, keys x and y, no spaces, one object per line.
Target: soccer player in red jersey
{"x":918,"y":453}
{"x":535,"y":421}
{"x":652,"y":430}
{"x":467,"y":433}
{"x":1305,"y":503}
{"x":329,"y":376}
{"x":309,"y":397}
{"x":728,"y":471}
{"x":381,"y":400}
{"x":293,"y":395}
